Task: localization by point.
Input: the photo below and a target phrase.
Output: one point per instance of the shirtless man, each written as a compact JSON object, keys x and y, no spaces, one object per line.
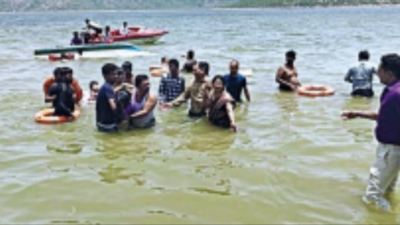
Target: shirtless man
{"x":287,"y":76}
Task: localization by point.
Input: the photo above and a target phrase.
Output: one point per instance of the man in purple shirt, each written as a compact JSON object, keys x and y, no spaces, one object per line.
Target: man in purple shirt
{"x":384,"y":171}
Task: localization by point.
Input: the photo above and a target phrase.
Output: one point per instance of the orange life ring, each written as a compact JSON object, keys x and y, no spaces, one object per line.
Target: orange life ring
{"x":75,"y":85}
{"x":53,"y":58}
{"x":315,"y":90}
{"x":46,"y":116}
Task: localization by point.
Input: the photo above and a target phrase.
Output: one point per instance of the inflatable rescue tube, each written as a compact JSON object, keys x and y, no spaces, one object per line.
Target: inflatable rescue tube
{"x":75,"y":85}
{"x":46,"y":116}
{"x":315,"y":90}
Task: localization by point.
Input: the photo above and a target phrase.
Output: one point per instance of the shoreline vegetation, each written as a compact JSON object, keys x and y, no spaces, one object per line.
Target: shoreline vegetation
{"x":142,"y":5}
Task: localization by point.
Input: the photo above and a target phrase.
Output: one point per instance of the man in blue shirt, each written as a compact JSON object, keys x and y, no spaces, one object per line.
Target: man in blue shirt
{"x":106,"y":107}
{"x":361,"y":76}
{"x":172,"y":85}
{"x":76,"y":40}
{"x":236,"y":83}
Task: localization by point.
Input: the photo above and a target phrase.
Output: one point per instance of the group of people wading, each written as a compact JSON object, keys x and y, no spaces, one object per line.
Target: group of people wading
{"x":119,"y":100}
{"x":125,"y":97}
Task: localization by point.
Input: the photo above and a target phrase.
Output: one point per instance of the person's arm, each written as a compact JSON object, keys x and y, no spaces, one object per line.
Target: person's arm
{"x":181,"y":99}
{"x":161,"y":90}
{"x":348,"y":77}
{"x":359,"y":114}
{"x":51,"y":95}
{"x":231,"y":115}
{"x":148,"y":107}
{"x":246,"y":90}
{"x":280,"y":80}
{"x":110,"y":94}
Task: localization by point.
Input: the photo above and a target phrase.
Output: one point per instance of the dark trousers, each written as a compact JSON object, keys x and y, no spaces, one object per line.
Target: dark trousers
{"x":363,"y":93}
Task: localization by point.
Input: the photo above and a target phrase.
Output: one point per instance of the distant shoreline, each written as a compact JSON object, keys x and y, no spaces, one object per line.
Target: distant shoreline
{"x":213,"y":8}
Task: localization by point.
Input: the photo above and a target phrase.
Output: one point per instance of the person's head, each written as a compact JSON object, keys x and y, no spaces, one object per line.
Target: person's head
{"x":218,"y":84}
{"x":190,"y":55}
{"x":200,"y":70}
{"x":389,"y":69}
{"x":94,"y":86}
{"x":173,"y":66}
{"x":68,"y":74}
{"x":290,"y":57}
{"x":120,"y":76}
{"x":109,"y":72}
{"x":363,"y":56}
{"x":142,"y":83}
{"x":125,"y":24}
{"x":234,"y":67}
{"x":76,"y":34}
{"x":108,"y":29}
{"x":87,"y":21}
{"x":164,"y":60}
{"x":57,"y":73}
{"x":127,"y":67}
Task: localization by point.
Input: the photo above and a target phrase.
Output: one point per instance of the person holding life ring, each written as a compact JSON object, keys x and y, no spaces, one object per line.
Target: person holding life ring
{"x":56,"y":76}
{"x":287,"y":76}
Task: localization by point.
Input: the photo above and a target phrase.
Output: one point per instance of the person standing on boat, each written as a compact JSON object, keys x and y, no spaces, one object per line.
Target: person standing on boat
{"x":93,"y":26}
{"x":128,"y":68}
{"x":141,"y":109}
{"x":361,"y":76}
{"x":236,"y":83}
{"x":287,"y":76}
{"x":172,"y":85}
{"x":106,"y":107}
{"x":124,"y":29}
{"x":76,"y":40}
{"x":190,"y":62}
{"x":195,"y":92}
{"x":384,"y":171}
{"x":220,"y":105}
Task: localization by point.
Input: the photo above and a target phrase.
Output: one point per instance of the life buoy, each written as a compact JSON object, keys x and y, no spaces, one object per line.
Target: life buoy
{"x":68,"y":56}
{"x":315,"y":90}
{"x":46,"y":116}
{"x":75,"y":85}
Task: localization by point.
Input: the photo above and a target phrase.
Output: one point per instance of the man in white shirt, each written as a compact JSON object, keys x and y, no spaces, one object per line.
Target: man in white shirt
{"x":124,"y":30}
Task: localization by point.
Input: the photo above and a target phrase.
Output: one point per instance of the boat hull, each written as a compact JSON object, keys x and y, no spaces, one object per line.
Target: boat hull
{"x":84,"y":48}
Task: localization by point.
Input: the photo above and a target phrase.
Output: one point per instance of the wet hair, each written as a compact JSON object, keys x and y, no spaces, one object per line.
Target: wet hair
{"x":363,"y":55}
{"x":205,"y":67}
{"x":164,"y":59}
{"x":235,"y":61}
{"x":66,"y":70}
{"x":190,"y":54}
{"x":291,"y":54}
{"x":140,"y":78}
{"x":92,"y":84}
{"x":391,"y":63}
{"x":127,"y":65}
{"x":174,"y":62}
{"x":218,"y":77}
{"x":57,"y":71}
{"x":108,"y":68}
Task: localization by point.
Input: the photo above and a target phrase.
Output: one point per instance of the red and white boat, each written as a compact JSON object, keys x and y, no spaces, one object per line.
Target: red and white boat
{"x":139,"y":35}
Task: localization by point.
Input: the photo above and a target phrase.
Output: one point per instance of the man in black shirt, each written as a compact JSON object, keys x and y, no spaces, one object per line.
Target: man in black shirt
{"x":106,"y":107}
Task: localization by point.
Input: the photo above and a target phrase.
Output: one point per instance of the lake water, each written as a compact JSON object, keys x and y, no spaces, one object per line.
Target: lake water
{"x":292,"y":161}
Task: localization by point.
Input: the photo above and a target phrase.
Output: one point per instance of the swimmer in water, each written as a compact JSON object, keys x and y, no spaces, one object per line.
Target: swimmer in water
{"x":94,"y":90}
{"x":287,"y":76}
